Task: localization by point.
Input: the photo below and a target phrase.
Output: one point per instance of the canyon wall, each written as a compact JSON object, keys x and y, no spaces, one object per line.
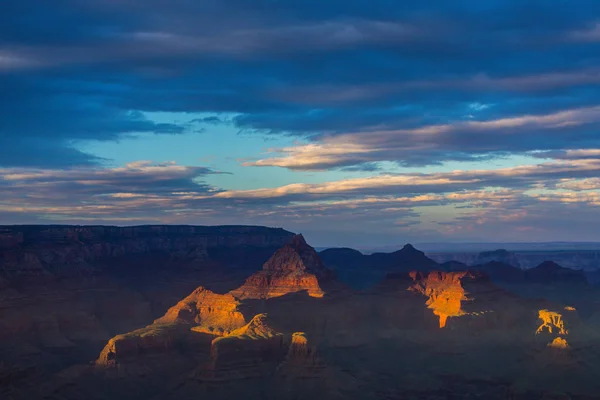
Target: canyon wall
{"x":31,"y":254}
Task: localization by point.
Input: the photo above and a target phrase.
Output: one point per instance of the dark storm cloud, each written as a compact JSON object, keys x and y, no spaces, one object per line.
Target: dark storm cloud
{"x":88,"y":69}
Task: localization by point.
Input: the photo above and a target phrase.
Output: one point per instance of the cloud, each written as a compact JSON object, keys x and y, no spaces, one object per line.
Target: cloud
{"x":447,"y":206}
{"x":91,"y":70}
{"x":464,"y":140}
{"x":359,"y":85}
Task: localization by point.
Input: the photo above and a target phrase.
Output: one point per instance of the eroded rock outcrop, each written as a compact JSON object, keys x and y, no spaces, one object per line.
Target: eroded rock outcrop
{"x":202,"y":311}
{"x":559,"y":343}
{"x":247,"y":352}
{"x":553,"y":325}
{"x":301,"y":360}
{"x":207,"y":312}
{"x":552,"y":322}
{"x":444,"y":291}
{"x":149,"y":340}
{"x":293,"y":268}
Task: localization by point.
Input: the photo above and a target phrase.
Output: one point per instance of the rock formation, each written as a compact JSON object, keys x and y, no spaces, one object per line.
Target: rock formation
{"x":31,"y":254}
{"x":247,"y":352}
{"x":551,"y":272}
{"x":207,"y":312}
{"x":293,"y":268}
{"x":202,"y":311}
{"x":559,"y":343}
{"x":363,"y":271}
{"x":444,"y":291}
{"x":301,"y":360}
{"x":553,"y":325}
{"x":552,"y":322}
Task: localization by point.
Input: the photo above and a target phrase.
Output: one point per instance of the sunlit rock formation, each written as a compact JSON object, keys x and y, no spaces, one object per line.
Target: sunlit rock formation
{"x":552,"y":322}
{"x":299,"y":346}
{"x":148,"y":340}
{"x":207,"y":312}
{"x":444,"y":291}
{"x":293,"y":268}
{"x":202,"y":311}
{"x":247,"y":352}
{"x":559,"y":343}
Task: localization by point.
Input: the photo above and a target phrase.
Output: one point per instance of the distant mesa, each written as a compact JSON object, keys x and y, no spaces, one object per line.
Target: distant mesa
{"x":500,"y":255}
{"x":444,"y":291}
{"x":293,"y":268}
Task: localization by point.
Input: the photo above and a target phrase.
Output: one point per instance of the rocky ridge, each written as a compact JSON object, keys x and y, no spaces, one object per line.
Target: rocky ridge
{"x":385,"y":342}
{"x":30,"y":254}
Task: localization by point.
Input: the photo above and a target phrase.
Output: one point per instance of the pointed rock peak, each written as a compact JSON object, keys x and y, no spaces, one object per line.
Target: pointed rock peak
{"x":409,"y":247}
{"x":549,"y":265}
{"x":410,"y":251}
{"x":297,"y":256}
{"x":298,"y":242}
{"x":293,"y":268}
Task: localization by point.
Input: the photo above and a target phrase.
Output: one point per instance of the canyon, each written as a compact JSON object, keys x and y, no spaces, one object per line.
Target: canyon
{"x":175,"y":314}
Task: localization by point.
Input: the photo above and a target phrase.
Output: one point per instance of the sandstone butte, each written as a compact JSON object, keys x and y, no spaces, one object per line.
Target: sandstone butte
{"x":293,"y":268}
{"x":444,"y":291}
{"x":202,"y":311}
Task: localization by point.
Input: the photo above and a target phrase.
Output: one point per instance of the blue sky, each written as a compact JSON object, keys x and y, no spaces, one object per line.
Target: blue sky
{"x":353,"y":122}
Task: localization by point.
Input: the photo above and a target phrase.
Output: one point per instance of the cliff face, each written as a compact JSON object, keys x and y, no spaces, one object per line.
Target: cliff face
{"x":293,"y":268}
{"x":44,"y":253}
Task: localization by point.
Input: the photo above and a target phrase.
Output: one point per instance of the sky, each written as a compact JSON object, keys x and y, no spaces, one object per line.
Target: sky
{"x":355,"y":122}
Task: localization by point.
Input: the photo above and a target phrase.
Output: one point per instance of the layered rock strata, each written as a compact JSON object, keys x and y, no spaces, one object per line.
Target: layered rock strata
{"x":293,"y":268}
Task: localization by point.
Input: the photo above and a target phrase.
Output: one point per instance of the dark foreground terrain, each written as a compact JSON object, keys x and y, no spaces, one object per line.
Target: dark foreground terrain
{"x":185,"y":312}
